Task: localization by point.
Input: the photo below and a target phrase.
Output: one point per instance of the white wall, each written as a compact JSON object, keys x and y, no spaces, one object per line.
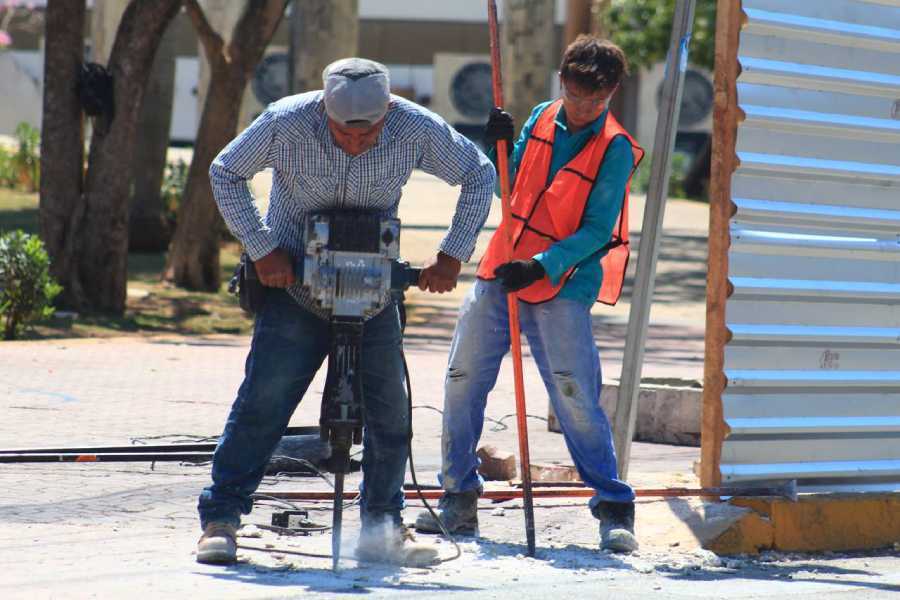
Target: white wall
{"x":467,"y":11}
{"x":22,"y":97}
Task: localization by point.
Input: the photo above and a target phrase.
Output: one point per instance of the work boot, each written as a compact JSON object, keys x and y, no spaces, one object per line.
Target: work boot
{"x":217,"y":545}
{"x":395,"y":545}
{"x":616,"y":526}
{"x":458,"y":511}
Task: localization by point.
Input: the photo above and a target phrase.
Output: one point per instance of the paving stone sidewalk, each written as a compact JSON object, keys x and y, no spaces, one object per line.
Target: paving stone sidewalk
{"x":117,"y":530}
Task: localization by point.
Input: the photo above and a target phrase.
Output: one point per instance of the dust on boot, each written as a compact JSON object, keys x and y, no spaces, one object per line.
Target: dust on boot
{"x":616,"y":526}
{"x":390,"y":543}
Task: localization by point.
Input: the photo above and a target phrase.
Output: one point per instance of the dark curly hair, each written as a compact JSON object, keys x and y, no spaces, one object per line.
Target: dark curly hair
{"x":593,"y":64}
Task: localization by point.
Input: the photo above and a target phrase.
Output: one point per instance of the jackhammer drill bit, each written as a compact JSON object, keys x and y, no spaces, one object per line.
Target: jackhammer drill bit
{"x":337,"y":515}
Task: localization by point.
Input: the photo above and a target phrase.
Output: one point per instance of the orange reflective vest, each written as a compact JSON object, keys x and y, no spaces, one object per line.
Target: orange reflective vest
{"x":543,"y":213}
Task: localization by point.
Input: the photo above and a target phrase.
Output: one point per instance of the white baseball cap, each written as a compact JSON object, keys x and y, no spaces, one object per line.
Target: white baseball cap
{"x":357,"y":91}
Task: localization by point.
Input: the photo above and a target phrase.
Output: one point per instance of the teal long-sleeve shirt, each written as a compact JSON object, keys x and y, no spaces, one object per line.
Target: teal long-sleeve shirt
{"x":583,"y":248}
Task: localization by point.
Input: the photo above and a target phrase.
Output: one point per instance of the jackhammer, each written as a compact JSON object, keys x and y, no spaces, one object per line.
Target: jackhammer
{"x":352,"y":271}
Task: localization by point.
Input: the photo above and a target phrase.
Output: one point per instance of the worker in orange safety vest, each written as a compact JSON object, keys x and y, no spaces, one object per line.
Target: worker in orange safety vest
{"x":571,"y":167}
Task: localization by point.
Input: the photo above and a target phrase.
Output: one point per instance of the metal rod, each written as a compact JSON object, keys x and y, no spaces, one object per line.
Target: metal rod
{"x":209,"y":446}
{"x":512,"y":301}
{"x":158,"y":448}
{"x":651,"y":231}
{"x":112,"y":457}
{"x":571,"y":492}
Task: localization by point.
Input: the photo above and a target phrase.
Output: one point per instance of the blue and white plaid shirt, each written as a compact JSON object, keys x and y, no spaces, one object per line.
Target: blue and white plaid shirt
{"x":309,"y":172}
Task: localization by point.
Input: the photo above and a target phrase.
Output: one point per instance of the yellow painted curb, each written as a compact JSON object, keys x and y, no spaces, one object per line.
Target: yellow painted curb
{"x":814,"y":523}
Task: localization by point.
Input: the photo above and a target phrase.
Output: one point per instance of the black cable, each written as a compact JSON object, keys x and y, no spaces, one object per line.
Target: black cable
{"x":308,"y":465}
{"x":308,"y":528}
{"x":500,"y":422}
{"x":412,"y":467}
{"x":296,"y":552}
{"x":499,"y":425}
{"x":179,"y":438}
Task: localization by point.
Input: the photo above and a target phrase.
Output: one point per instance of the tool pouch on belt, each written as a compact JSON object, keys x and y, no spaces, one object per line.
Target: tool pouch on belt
{"x":246,"y":286}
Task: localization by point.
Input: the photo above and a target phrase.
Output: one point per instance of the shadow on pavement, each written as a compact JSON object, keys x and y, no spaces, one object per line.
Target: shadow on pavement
{"x":348,"y":581}
{"x":779,"y":571}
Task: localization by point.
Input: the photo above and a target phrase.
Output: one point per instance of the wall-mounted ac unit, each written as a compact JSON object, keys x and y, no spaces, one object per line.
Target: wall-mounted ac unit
{"x":695,"y":121}
{"x":462,"y":91}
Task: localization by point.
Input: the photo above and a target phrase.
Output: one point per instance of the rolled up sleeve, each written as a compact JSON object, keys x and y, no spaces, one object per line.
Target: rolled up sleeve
{"x":456,"y":160}
{"x":229,"y":174}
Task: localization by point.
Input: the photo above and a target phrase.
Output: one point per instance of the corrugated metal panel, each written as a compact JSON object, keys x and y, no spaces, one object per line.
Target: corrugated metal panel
{"x":813,"y":366}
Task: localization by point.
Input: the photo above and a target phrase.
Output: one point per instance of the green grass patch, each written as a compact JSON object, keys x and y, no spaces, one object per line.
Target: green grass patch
{"x":153,"y":306}
{"x":18,"y":210}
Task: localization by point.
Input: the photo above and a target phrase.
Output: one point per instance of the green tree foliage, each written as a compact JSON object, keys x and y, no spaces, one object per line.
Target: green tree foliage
{"x":26,"y":288}
{"x":643,"y":28}
{"x":22,"y":168}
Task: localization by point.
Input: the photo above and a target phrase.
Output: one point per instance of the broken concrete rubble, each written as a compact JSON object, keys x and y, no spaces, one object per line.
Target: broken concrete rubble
{"x":496,"y":465}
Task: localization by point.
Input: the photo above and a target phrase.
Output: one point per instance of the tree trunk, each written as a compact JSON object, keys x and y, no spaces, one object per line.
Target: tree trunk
{"x":528,"y":55}
{"x":102,"y":266}
{"x":62,"y":143}
{"x":578,"y":19}
{"x":193,"y":260}
{"x":599,"y":26}
{"x":149,"y":231}
{"x":322,"y":31}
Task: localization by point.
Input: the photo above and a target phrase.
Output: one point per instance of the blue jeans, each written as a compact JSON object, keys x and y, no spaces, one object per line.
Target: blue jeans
{"x":289,"y":345}
{"x":562,"y":343}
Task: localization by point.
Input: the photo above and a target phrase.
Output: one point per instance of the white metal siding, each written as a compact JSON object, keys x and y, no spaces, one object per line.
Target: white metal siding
{"x":813,"y":365}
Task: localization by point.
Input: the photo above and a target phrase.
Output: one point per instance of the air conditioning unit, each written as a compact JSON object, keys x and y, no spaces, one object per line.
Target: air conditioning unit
{"x":268,"y":83}
{"x":695,"y":121}
{"x":462,"y":91}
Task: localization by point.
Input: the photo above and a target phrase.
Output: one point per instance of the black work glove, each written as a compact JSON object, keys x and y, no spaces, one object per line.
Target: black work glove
{"x":499,"y":127}
{"x":518,"y":274}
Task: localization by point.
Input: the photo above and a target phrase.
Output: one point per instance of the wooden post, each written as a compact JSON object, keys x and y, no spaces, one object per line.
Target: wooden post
{"x":726,"y":115}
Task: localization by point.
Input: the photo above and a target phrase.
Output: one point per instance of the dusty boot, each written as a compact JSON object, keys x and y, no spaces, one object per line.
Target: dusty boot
{"x":394,"y":545}
{"x":217,"y":545}
{"x":616,"y":526}
{"x":459,"y":512}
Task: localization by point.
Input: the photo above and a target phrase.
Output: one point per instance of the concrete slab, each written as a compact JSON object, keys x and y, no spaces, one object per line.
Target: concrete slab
{"x":666,"y":414}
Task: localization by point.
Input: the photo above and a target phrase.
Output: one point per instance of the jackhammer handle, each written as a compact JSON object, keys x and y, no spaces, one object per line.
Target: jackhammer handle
{"x":412,"y":275}
{"x":404,"y":276}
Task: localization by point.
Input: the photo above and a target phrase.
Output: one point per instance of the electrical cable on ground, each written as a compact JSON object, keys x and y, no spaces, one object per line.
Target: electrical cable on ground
{"x":177,"y":437}
{"x":307,"y":528}
{"x":499,"y":425}
{"x":412,"y":468}
{"x":306,"y":464}
{"x":284,"y":551}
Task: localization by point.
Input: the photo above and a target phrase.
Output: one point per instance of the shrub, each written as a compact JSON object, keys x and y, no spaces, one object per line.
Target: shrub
{"x":8,"y":172}
{"x":174,"y":180}
{"x":26,"y":288}
{"x":641,"y":180}
{"x":27,"y":159}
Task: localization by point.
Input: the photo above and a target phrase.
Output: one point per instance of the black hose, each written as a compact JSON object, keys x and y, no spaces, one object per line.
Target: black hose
{"x":412,"y":467}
